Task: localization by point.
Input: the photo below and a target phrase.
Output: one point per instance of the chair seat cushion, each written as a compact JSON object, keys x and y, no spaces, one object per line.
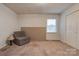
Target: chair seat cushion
{"x":21,"y":38}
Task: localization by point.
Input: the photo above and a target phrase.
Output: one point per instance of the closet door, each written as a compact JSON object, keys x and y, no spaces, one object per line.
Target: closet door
{"x":77,"y":14}
{"x":71,"y":29}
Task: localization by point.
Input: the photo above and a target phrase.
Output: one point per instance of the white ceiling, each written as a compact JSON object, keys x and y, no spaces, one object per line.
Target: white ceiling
{"x":22,"y":8}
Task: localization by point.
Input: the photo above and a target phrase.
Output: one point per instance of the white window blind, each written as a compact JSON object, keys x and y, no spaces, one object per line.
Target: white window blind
{"x":51,"y":25}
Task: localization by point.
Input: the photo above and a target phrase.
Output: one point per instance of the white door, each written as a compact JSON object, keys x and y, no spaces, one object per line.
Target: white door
{"x":77,"y":17}
{"x":71,"y":29}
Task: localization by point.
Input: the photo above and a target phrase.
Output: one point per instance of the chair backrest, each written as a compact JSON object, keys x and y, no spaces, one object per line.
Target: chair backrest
{"x":19,"y":34}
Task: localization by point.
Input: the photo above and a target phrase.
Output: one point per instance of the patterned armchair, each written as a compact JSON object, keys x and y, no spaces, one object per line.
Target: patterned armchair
{"x":20,"y":38}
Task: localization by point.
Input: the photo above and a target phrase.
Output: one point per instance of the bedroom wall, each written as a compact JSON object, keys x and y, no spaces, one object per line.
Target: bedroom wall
{"x":8,"y":24}
{"x":36,"y":24}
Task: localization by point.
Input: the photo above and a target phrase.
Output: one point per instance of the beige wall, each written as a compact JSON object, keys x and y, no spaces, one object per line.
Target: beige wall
{"x":35,"y":33}
{"x":35,"y":20}
{"x":38,"y":20}
{"x":65,"y":20}
{"x":8,"y":24}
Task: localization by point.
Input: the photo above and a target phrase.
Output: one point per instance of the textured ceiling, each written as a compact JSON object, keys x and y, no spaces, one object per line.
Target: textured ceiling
{"x":22,"y":8}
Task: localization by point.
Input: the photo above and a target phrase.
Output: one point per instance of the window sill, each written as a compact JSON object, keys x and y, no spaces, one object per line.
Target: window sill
{"x":51,"y":32}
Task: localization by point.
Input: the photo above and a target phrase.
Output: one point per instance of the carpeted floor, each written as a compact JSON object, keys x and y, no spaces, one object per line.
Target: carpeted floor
{"x":40,"y":48}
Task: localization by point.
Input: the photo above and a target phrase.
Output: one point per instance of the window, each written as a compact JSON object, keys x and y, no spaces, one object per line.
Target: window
{"x":51,"y":25}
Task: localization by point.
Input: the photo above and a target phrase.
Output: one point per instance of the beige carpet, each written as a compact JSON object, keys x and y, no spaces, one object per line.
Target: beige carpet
{"x":40,"y":48}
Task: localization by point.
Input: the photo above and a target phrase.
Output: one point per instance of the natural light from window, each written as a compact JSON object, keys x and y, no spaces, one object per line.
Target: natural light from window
{"x":51,"y":25}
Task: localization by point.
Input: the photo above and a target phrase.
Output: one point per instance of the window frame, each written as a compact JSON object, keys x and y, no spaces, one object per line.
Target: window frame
{"x":47,"y":26}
